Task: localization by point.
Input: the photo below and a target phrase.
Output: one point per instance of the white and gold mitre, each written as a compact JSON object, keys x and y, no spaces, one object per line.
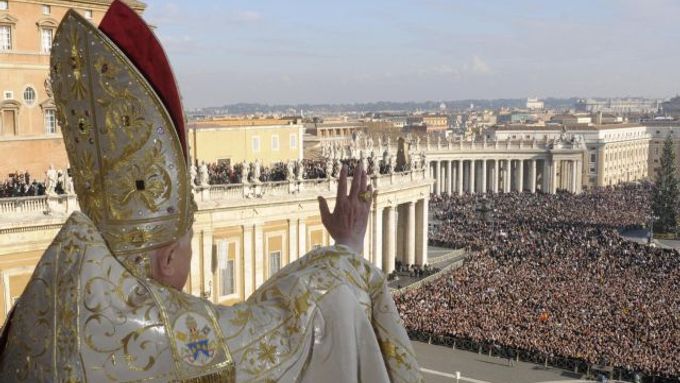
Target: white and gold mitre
{"x":121,"y":118}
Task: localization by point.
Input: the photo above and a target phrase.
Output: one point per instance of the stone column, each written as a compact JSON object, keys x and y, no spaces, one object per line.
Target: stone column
{"x":248,"y":262}
{"x":453,"y":178}
{"x":438,"y":178}
{"x":508,"y":176}
{"x":390,"y":241}
{"x":460,"y":177}
{"x":401,"y":232}
{"x":472,"y":176}
{"x":260,"y":256}
{"x":579,"y":176}
{"x":292,"y":240}
{"x":207,"y":255}
{"x":546,"y":176}
{"x":532,"y":176}
{"x":553,"y":176}
{"x":377,"y":236}
{"x":449,"y":179}
{"x":574,"y":176}
{"x":484,"y":176}
{"x":302,"y":237}
{"x":496,"y":177}
{"x":600,"y":166}
{"x":410,"y":238}
{"x":520,"y":175}
{"x":430,"y":172}
{"x":421,"y":231}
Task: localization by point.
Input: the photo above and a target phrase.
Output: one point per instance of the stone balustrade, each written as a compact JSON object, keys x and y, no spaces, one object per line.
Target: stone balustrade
{"x":461,"y":145}
{"x":11,"y":208}
{"x":23,"y":205}
{"x":20,"y":208}
{"x":259,"y":226}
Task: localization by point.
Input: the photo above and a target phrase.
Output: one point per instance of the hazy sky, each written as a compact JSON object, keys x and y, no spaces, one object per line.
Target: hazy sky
{"x":318,"y":51}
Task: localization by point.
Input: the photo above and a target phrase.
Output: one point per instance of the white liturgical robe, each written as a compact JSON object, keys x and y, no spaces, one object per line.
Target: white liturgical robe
{"x":327,"y":317}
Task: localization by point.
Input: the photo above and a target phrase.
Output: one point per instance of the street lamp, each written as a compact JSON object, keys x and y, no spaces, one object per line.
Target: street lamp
{"x":653,"y":219}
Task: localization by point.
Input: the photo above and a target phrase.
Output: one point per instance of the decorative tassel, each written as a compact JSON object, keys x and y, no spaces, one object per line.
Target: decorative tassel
{"x":228,"y":375}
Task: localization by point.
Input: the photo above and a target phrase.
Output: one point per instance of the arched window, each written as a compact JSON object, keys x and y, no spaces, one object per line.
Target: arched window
{"x":29,"y":95}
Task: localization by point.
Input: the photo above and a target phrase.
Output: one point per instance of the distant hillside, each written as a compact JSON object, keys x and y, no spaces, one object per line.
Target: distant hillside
{"x":381,"y":106}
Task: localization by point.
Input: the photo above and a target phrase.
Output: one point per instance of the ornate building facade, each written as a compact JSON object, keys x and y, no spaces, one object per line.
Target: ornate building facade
{"x":614,"y":153}
{"x":28,"y":123}
{"x":242,"y":233}
{"x":520,"y":165}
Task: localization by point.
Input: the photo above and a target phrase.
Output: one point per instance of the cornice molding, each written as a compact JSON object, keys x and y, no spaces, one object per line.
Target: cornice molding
{"x":6,"y":18}
{"x":10,"y":104}
{"x":47,"y":22}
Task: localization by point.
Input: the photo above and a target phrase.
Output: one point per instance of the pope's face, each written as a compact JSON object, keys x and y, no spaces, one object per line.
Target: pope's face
{"x":183,"y":261}
{"x":170,"y":265}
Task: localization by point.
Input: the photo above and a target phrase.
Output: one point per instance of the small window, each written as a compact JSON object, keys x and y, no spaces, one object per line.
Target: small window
{"x":274,"y":262}
{"x":88,"y":14}
{"x":46,"y":35}
{"x":5,"y":37}
{"x":46,"y":10}
{"x":4,"y":5}
{"x":293,"y":141}
{"x":275,"y":142}
{"x":29,"y":96}
{"x":8,"y":94}
{"x":256,"y":144}
{"x":50,"y":121}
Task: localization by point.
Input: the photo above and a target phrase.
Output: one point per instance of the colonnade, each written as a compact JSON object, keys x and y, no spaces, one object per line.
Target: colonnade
{"x":399,"y":232}
{"x":482,"y":175}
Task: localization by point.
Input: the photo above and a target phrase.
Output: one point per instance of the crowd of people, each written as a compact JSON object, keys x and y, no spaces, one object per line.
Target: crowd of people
{"x":551,"y":274}
{"x":221,"y":173}
{"x":413,"y":271}
{"x":20,"y":184}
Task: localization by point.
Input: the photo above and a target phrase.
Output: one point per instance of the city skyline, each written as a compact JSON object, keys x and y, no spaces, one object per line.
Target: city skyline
{"x":309,"y":52}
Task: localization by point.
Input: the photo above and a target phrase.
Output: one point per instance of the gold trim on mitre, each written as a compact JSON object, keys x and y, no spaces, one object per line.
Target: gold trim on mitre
{"x":129,"y":170}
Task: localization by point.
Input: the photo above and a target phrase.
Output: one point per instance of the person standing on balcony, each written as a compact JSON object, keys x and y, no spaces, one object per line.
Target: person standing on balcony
{"x":105,"y":300}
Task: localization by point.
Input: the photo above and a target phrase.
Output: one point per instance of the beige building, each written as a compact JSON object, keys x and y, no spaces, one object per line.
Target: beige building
{"x":242,"y":233}
{"x":428,"y":123}
{"x":237,"y":140}
{"x":28,"y":123}
{"x":658,"y":132}
{"x":321,"y":134}
{"x":616,"y":153}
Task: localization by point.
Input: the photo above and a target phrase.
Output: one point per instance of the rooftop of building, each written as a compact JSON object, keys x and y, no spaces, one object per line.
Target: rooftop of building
{"x":229,"y":122}
{"x":557,"y":127}
{"x":349,"y":124}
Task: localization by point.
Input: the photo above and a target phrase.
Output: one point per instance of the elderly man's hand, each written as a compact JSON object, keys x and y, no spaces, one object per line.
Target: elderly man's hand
{"x":347,"y":224}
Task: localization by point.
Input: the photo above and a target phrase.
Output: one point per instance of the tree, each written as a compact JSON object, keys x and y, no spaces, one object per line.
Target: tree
{"x":665,"y":191}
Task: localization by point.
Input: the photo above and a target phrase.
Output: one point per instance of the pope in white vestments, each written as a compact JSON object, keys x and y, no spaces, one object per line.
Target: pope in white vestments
{"x":105,"y":303}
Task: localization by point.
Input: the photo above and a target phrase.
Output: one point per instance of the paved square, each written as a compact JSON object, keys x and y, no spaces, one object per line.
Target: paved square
{"x":439,"y":365}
